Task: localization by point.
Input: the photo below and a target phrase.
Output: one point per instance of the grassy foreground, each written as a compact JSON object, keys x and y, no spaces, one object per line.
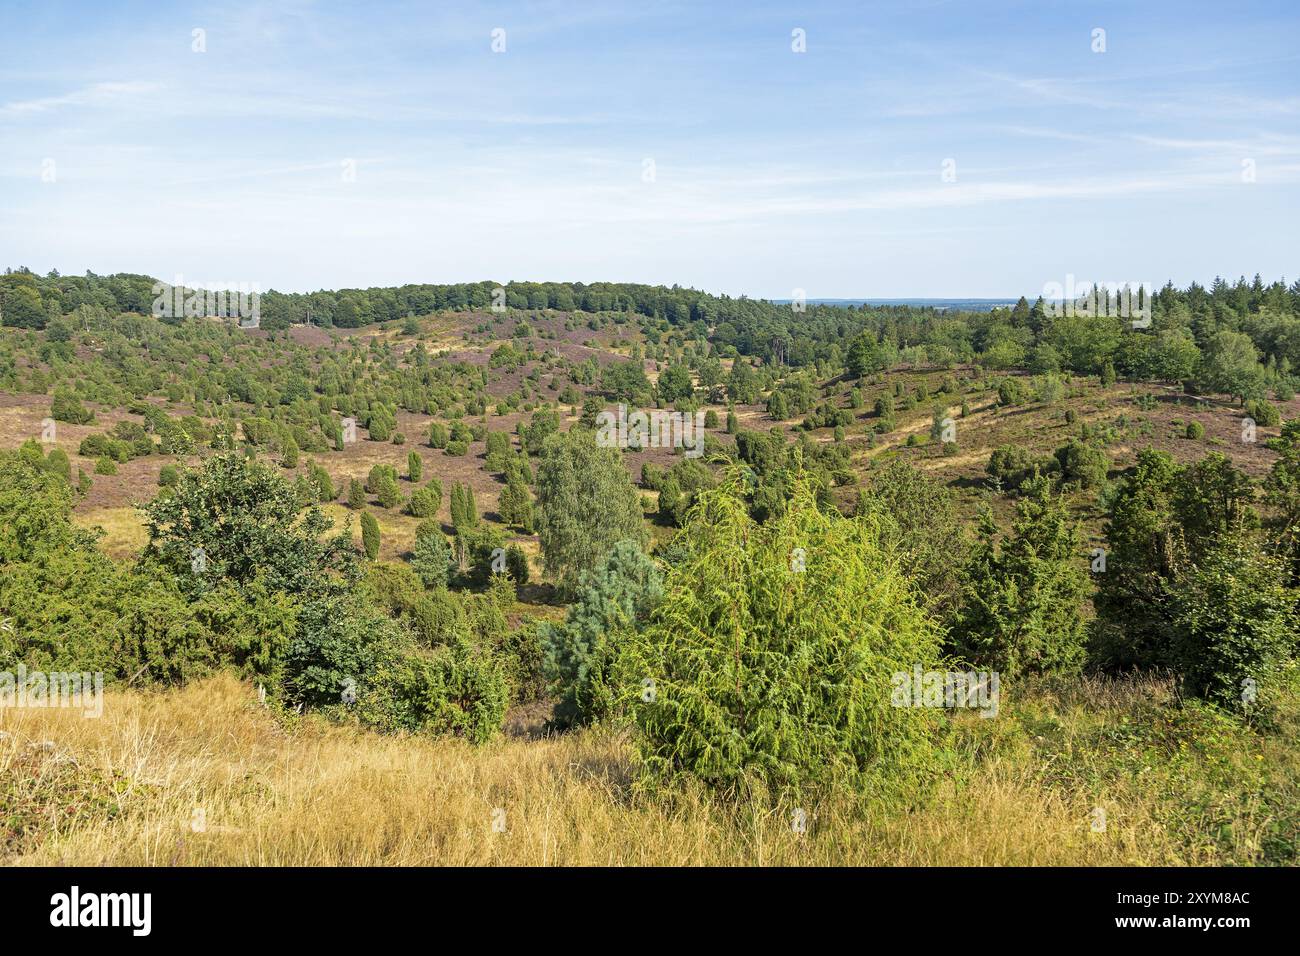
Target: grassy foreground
{"x":206,"y":776}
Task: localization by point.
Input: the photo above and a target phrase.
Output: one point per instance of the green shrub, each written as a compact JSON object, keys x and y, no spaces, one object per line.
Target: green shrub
{"x":517,"y":565}
{"x":431,"y":558}
{"x":57,"y":463}
{"x":1195,"y":430}
{"x":105,"y":466}
{"x":68,"y":408}
{"x":1011,"y":392}
{"x":387,"y":491}
{"x":356,"y":494}
{"x":1013,"y":465}
{"x":478,"y":547}
{"x":370,"y":537}
{"x":1265,"y":414}
{"x":382,"y":423}
{"x":323,"y":483}
{"x":1234,"y":627}
{"x":1024,"y":592}
{"x":458,"y":689}
{"x":515,"y":506}
{"x":135,"y":435}
{"x":523,"y":654}
{"x":612,"y":598}
{"x":104,"y":446}
{"x":1082,"y":465}
{"x":424,"y":503}
{"x":735,"y":684}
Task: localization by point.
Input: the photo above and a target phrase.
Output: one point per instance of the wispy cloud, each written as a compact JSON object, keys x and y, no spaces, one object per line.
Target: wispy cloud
{"x":93,"y":95}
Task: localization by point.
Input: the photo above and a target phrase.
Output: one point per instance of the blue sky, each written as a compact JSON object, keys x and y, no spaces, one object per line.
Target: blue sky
{"x":122,"y":149}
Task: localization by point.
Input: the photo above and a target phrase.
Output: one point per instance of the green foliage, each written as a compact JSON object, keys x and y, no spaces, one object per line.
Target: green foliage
{"x":498,"y":450}
{"x":1264,"y":413}
{"x":916,"y":516}
{"x":382,"y":423}
{"x":1190,"y":584}
{"x":1011,"y":391}
{"x":1234,"y":628}
{"x":517,"y":565}
{"x":356,"y":494}
{"x":1082,"y":465}
{"x":735,"y":684}
{"x":431,"y":558}
{"x":675,"y":383}
{"x":68,"y":408}
{"x":324,"y":484}
{"x":464,"y":510}
{"x":585,"y":503}
{"x":1282,"y":487}
{"x":865,"y":356}
{"x":622,"y":382}
{"x":57,"y":463}
{"x":387,"y":490}
{"x":545,"y":422}
{"x":414,"y":466}
{"x":460,"y":689}
{"x":244,"y":518}
{"x":1144,"y":550}
{"x":1014,"y":465}
{"x":1023,"y":600}
{"x":104,"y":446}
{"x":424,"y":502}
{"x":480,"y":548}
{"x":515,"y":506}
{"x":1231,"y":365}
{"x":615,"y":596}
{"x":370,"y":537}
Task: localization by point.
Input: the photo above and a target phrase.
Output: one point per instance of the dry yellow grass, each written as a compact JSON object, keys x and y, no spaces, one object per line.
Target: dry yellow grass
{"x":124,"y":530}
{"x":310,"y":793}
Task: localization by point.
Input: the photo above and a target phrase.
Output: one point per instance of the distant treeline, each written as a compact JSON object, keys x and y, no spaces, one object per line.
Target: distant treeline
{"x":774,"y":332}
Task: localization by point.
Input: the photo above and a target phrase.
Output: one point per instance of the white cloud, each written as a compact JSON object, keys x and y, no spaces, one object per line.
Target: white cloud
{"x":95,"y":94}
